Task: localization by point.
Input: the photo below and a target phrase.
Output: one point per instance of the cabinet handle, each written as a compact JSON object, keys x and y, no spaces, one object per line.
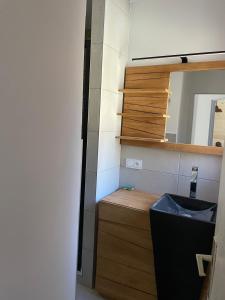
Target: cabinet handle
{"x":200,"y":258}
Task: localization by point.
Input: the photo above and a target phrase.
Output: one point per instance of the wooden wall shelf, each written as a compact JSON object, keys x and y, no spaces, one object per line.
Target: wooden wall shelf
{"x":144,"y":91}
{"x":142,"y":115}
{"x":141,"y":139}
{"x":207,"y":150}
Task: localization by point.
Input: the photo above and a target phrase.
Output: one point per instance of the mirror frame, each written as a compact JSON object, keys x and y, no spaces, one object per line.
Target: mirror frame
{"x":185,"y":67}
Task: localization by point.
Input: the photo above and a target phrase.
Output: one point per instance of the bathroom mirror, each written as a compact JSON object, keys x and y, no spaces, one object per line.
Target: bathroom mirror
{"x":197,"y":108}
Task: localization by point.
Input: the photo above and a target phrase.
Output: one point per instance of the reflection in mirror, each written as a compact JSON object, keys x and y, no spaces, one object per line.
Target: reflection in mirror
{"x":197,"y":108}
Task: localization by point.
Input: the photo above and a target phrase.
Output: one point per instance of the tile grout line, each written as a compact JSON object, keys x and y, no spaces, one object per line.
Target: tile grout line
{"x":178,"y":176}
{"x":122,"y":9}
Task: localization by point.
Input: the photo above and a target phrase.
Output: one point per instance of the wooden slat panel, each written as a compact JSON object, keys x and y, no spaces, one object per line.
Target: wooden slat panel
{"x":145,"y":92}
{"x":151,"y":127}
{"x":143,"y":129}
{"x":126,"y":276}
{"x":160,"y":102}
{"x":142,"y":116}
{"x":125,"y":253}
{"x":130,"y":132}
{"x":115,"y":291}
{"x":155,"y":83}
{"x":199,"y":66}
{"x":130,"y":234}
{"x":123,"y":215}
{"x":150,"y":119}
{"x":157,"y":75}
{"x":141,"y":108}
{"x":142,"y":102}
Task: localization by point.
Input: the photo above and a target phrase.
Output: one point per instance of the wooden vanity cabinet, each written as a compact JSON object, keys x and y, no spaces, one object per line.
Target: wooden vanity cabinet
{"x":125,"y":264}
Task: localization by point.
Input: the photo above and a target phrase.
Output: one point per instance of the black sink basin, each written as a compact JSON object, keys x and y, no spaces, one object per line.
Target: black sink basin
{"x":186,"y":207}
{"x":181,"y":228}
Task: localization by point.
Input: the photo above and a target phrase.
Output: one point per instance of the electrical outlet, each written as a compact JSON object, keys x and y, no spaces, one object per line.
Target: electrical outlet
{"x":132,"y":163}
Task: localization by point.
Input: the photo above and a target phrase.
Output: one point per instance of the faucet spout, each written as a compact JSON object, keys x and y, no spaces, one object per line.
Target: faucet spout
{"x":193,"y":182}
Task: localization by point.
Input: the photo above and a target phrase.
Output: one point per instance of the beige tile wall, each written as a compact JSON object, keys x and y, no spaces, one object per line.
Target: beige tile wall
{"x":168,"y":171}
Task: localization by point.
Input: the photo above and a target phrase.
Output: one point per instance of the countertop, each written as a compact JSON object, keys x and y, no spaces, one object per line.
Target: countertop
{"x":132,"y":199}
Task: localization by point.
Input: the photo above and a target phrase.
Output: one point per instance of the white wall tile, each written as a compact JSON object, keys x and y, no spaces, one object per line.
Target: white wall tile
{"x":153,"y":159}
{"x":109,"y":151}
{"x":111,"y":104}
{"x":149,"y":181}
{"x":107,"y":182}
{"x":113,"y":69}
{"x":89,"y":230}
{"x":96,"y":66}
{"x":90,"y":191}
{"x":209,"y":165}
{"x":98,"y":16}
{"x":94,"y":109}
{"x":87,"y":268}
{"x":123,"y":4}
{"x":116,"y":30}
{"x":92,"y":151}
{"x":206,"y":189}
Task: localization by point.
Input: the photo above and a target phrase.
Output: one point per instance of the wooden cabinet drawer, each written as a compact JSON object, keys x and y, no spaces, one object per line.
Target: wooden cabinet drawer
{"x":126,"y":276}
{"x":125,"y":253}
{"x":127,"y":233}
{"x":123,"y":215}
{"x":114,"y":291}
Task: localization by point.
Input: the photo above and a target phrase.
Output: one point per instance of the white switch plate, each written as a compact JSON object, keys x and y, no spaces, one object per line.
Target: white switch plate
{"x":132,"y":163}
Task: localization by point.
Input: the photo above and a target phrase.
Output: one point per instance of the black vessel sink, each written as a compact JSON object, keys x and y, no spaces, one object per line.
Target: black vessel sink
{"x":186,"y":207}
{"x":181,"y":228}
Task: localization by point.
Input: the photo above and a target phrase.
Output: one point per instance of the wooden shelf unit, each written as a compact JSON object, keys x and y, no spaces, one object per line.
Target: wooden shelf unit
{"x":145,"y":106}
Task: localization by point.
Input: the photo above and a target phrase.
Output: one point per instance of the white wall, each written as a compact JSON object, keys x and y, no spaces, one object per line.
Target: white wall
{"x":210,"y":82}
{"x":176,"y":26}
{"x":201,"y":118}
{"x":176,"y":86}
{"x":41,"y":61}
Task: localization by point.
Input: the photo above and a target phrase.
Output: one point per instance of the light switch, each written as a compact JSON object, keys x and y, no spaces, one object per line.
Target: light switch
{"x":132,"y":163}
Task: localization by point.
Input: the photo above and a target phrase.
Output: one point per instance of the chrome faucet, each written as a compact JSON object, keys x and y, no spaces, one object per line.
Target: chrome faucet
{"x":193,"y":183}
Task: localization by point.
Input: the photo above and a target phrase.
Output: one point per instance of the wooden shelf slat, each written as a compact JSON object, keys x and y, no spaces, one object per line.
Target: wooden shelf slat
{"x":145,"y":91}
{"x":140,"y":139}
{"x":143,"y":115}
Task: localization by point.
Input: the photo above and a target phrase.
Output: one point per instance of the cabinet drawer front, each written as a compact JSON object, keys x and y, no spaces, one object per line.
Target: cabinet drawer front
{"x":125,"y":253}
{"x":127,"y":276}
{"x":114,"y":291}
{"x":123,"y":215}
{"x":139,"y":237}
